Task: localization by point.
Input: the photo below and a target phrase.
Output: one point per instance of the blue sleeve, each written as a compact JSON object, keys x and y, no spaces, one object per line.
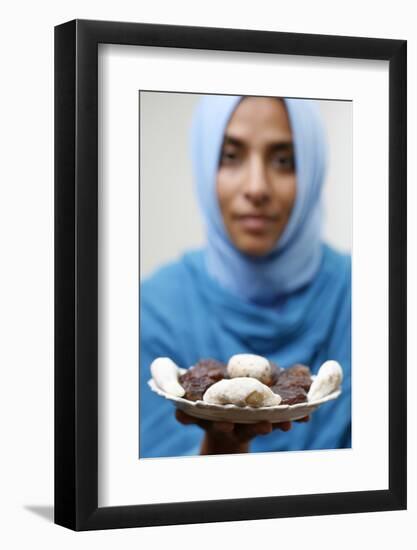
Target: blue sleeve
{"x":160,"y":434}
{"x":335,"y":416}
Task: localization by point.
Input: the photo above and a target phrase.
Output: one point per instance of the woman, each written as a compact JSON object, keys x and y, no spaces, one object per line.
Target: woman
{"x":265,"y":282}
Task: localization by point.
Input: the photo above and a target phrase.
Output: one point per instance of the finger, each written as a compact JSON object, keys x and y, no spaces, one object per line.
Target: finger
{"x":184,"y":418}
{"x":187,"y":419}
{"x":283,"y":426}
{"x":245,"y":432}
{"x":304,"y":419}
{"x":223,"y":427}
{"x":262,"y":428}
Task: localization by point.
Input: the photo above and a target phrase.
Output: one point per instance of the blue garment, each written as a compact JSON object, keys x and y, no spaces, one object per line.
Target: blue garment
{"x":187,"y":315}
{"x":295,"y":259}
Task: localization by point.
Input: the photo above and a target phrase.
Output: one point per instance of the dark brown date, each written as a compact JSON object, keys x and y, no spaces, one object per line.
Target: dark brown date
{"x":201,"y":376}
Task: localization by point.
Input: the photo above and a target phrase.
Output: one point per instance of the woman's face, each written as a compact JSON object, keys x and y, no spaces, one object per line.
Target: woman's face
{"x":256,"y":180}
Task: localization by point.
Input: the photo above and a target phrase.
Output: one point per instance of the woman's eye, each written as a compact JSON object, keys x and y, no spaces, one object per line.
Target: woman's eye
{"x":229,"y":157}
{"x":285,"y":162}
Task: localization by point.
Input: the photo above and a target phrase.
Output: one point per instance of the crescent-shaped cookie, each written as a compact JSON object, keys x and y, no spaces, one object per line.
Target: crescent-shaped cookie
{"x":165,"y":373}
{"x":328,"y":379}
{"x":241,"y":391}
{"x":248,"y":364}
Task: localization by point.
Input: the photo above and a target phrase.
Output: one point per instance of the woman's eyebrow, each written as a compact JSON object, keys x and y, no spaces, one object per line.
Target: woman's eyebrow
{"x":281,"y":145}
{"x":230,"y":140}
{"x":273,"y":145}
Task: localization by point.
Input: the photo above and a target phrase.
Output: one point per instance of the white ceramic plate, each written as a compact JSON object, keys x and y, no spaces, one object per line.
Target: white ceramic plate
{"x":242,"y":415}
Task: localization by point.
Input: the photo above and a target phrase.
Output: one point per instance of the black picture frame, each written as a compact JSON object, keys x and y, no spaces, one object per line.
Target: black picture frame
{"x":76,"y":274}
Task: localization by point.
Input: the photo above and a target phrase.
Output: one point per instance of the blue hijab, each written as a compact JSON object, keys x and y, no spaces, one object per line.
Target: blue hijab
{"x":296,"y":256}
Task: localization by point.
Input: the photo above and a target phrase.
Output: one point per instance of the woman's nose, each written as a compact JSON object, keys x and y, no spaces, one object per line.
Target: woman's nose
{"x":257,"y":187}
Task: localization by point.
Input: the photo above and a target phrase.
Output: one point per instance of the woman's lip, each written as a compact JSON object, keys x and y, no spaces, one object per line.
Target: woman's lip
{"x":254,"y":222}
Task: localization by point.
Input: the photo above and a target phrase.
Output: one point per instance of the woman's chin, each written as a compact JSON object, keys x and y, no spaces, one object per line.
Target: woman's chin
{"x":255,"y":247}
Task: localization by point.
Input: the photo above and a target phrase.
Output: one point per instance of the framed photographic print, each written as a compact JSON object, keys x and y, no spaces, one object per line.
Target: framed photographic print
{"x":230,"y":274}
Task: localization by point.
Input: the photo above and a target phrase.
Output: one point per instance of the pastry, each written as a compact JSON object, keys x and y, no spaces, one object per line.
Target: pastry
{"x":241,"y":391}
{"x":328,"y":379}
{"x":253,"y":366}
{"x":165,"y":373}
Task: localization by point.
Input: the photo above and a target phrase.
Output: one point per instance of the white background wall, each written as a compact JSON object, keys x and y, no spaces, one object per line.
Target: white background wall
{"x":26,"y":299}
{"x":167,"y":190}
